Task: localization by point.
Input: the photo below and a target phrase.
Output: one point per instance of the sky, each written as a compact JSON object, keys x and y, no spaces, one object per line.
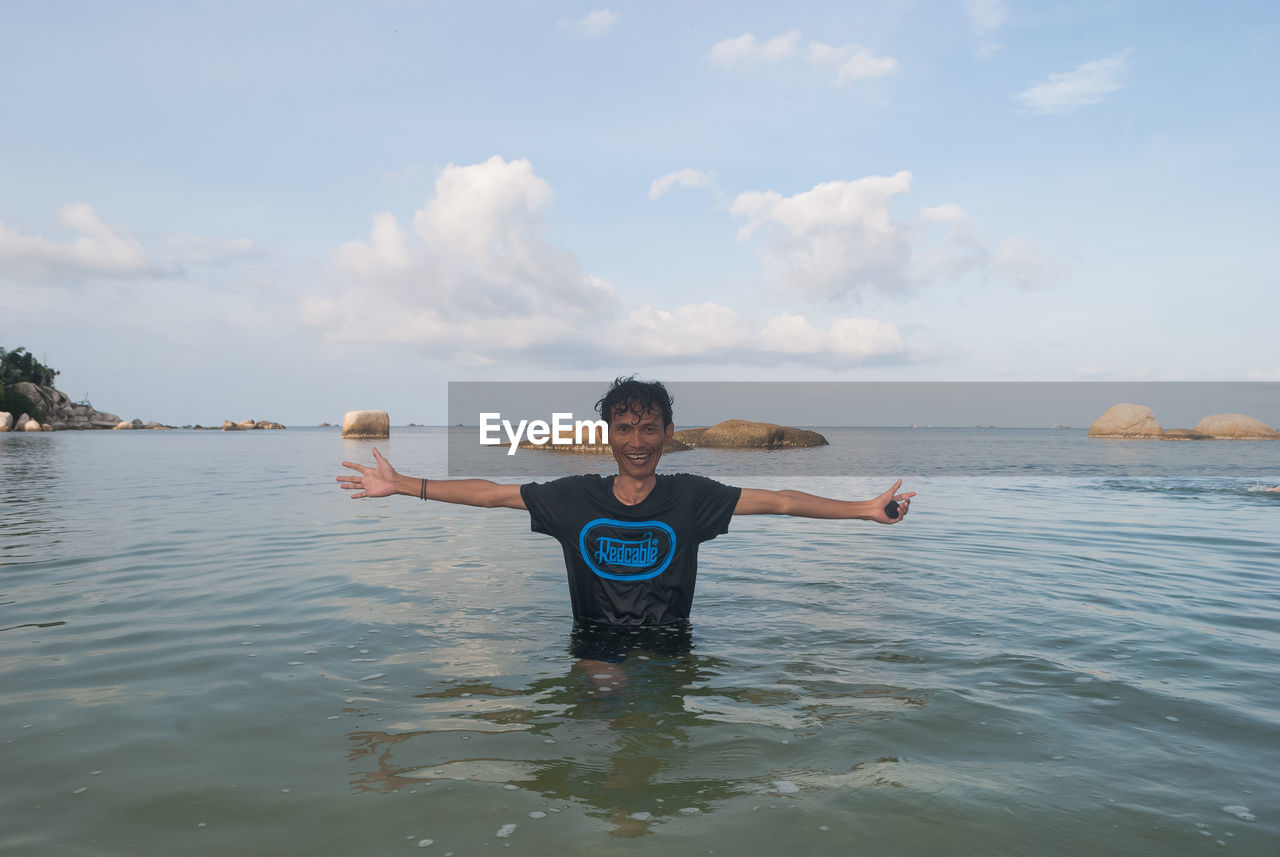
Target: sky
{"x":285,"y":211}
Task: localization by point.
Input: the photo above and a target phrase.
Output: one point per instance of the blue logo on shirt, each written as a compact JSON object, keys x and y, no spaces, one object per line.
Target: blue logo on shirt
{"x":627,"y":550}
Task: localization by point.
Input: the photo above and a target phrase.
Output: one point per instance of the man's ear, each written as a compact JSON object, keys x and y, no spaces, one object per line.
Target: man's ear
{"x":671,"y":430}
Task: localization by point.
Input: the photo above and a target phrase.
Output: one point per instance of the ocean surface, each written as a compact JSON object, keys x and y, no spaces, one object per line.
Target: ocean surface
{"x":1070,"y":647}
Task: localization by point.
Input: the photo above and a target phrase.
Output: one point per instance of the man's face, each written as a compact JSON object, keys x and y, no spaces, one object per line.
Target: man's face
{"x":637,"y":441}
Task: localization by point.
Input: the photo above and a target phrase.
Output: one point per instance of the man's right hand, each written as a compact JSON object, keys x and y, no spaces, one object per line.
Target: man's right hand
{"x":381,"y":480}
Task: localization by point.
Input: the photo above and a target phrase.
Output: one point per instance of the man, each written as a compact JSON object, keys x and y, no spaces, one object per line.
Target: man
{"x":630,"y":540}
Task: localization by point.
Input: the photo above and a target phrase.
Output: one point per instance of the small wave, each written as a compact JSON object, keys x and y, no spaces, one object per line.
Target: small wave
{"x":1191,"y":487}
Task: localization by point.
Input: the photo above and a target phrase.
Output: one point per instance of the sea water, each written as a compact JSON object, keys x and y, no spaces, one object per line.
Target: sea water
{"x":1069,"y":647}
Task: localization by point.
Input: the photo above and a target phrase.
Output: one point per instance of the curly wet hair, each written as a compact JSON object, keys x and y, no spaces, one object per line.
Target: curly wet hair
{"x":631,"y":395}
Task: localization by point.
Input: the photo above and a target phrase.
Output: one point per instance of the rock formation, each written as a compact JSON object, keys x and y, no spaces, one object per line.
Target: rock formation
{"x":1126,"y":420}
{"x":248,"y":425}
{"x":366,"y":424}
{"x":63,"y":414}
{"x":1235,"y":427}
{"x":746,"y":434}
{"x":673,"y":445}
{"x":1183,"y":434}
{"x":730,"y":434}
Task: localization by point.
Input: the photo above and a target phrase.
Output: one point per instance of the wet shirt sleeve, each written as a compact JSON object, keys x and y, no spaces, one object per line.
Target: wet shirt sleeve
{"x":713,"y":505}
{"x":542,"y":501}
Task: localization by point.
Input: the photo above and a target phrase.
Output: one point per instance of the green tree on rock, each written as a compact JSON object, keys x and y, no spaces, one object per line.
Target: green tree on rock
{"x":15,"y":367}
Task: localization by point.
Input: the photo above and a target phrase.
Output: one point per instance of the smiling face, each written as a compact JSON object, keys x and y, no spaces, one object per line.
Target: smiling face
{"x":637,"y":440}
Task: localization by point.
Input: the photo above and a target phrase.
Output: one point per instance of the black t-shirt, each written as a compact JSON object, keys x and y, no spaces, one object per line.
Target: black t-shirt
{"x":631,"y":565}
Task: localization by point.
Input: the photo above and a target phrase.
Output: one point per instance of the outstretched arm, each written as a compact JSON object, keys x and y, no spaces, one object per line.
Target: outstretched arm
{"x":382,"y":480}
{"x":759,"y":501}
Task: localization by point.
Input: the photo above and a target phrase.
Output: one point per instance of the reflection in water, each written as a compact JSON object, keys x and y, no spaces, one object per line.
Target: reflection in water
{"x":622,"y":720}
{"x":31,"y":516}
{"x":1056,"y":665}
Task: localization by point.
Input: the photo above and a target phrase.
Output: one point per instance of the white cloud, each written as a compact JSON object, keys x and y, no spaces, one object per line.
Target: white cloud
{"x":849,"y":63}
{"x":1088,"y":83}
{"x":845,"y":63}
{"x":1022,"y":262}
{"x":986,"y":17}
{"x":863,"y":66}
{"x":101,"y":250}
{"x":593,"y":26}
{"x":205,"y":250}
{"x":745,"y":51}
{"x":686,"y":177}
{"x":840,"y":239}
{"x":477,"y":273}
{"x":845,"y":337}
{"x":476,"y":281}
{"x":712,"y":332}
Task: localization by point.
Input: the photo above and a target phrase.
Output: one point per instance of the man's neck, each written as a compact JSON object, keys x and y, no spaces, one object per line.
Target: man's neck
{"x":630,"y":491}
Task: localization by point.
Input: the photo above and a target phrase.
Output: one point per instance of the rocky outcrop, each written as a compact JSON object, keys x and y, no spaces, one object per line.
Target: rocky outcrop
{"x":690,"y":437}
{"x":746,"y":434}
{"x":1126,"y":420}
{"x":61,"y":413}
{"x":1183,"y":434}
{"x":1235,"y":427}
{"x":248,"y":425}
{"x":366,"y":424}
{"x":672,"y":445}
{"x":6,"y":421}
{"x":730,"y":434}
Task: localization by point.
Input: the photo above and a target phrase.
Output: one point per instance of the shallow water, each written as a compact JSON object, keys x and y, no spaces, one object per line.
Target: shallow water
{"x":208,"y":648}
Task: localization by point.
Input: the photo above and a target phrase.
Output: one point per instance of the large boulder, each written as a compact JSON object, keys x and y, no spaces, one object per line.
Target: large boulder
{"x":691,"y":437}
{"x":1235,"y":427}
{"x":20,"y":424}
{"x":6,"y":421}
{"x":61,"y":412}
{"x":366,"y":424}
{"x":746,"y":434}
{"x":32,"y":425}
{"x":123,"y":425}
{"x":1126,"y":420}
